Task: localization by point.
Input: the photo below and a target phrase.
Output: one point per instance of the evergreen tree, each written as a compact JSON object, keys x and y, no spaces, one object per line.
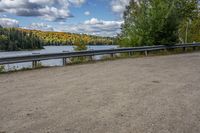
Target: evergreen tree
{"x":14,"y":39}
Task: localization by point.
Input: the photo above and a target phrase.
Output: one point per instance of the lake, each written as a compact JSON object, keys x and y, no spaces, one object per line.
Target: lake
{"x":48,"y":49}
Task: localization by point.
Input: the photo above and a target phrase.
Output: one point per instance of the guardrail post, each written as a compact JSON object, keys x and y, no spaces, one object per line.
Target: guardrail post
{"x":90,"y":58}
{"x":194,"y":48}
{"x":146,"y":53}
{"x":132,"y":53}
{"x":64,"y":61}
{"x":129,"y":53}
{"x":34,"y":64}
{"x":184,"y":49}
{"x":165,"y":49}
{"x":112,"y":55}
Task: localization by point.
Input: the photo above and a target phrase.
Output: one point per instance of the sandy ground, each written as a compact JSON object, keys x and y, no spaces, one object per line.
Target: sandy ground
{"x":143,"y":95}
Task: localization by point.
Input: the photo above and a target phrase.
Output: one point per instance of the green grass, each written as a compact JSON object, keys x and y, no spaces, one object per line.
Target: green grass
{"x":2,"y":68}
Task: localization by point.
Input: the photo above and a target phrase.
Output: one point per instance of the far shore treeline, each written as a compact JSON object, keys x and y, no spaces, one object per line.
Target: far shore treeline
{"x":13,"y":39}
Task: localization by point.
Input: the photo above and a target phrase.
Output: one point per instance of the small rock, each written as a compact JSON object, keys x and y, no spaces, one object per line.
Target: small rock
{"x":156,"y":81}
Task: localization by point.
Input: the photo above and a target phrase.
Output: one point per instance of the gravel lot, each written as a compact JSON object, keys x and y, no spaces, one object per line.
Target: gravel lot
{"x":143,"y":95}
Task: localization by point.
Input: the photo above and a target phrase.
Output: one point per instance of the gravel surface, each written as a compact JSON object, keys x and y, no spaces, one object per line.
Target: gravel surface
{"x":143,"y":95}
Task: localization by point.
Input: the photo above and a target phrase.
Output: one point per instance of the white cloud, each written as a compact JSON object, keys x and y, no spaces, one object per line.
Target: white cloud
{"x":77,"y":2}
{"x":87,"y":13}
{"x":119,"y":6}
{"x":92,"y":21}
{"x":39,"y":26}
{"x":94,"y":27}
{"x":53,"y":10}
{"x":8,"y":22}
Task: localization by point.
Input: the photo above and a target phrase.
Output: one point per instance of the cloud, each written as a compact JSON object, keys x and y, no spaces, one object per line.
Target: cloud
{"x":118,"y":6}
{"x":94,"y":27}
{"x":52,"y":10}
{"x":39,"y":26}
{"x":87,"y":13}
{"x":92,"y":21}
{"x":77,"y":2}
{"x":8,"y":22}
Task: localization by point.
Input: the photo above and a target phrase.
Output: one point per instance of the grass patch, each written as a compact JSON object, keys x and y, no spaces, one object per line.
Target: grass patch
{"x":2,"y":68}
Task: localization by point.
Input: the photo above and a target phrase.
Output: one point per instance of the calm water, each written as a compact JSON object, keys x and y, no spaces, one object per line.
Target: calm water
{"x":47,"y":49}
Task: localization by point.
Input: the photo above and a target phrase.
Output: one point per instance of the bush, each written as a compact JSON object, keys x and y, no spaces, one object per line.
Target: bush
{"x":80,"y":45}
{"x":2,"y":68}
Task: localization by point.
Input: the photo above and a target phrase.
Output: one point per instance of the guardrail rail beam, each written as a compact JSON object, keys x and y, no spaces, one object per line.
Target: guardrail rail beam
{"x":112,"y":52}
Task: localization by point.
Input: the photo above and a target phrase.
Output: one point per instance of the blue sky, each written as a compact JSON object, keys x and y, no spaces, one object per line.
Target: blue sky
{"x":96,"y":17}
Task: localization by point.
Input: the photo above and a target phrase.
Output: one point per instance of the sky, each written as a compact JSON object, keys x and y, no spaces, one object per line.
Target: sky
{"x":94,"y":17}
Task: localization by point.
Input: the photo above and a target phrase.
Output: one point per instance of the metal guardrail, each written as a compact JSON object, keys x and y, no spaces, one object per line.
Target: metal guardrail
{"x":39,"y":57}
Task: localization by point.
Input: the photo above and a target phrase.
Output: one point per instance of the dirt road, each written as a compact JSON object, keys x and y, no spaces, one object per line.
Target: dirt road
{"x":144,"y":95}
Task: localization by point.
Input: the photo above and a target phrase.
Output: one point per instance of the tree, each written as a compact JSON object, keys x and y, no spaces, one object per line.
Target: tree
{"x":154,"y":22}
{"x":190,"y":31}
{"x":80,"y":45}
{"x":189,"y":27}
{"x":3,"y":42}
{"x":15,"y":39}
